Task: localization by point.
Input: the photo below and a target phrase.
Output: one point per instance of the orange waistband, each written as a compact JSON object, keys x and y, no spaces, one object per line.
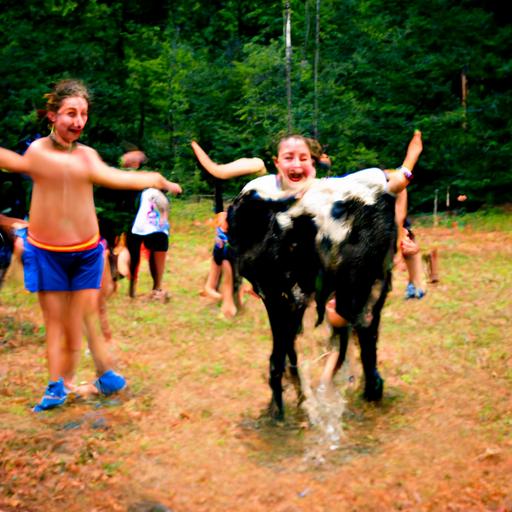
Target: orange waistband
{"x":84,"y":246}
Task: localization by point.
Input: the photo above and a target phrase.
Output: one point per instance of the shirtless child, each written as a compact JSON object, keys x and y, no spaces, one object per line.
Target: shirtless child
{"x":63,"y":259}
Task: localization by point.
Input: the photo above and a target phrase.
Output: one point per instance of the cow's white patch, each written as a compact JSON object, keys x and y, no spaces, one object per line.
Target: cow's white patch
{"x":284,"y":220}
{"x":320,"y":197}
{"x":267,"y":187}
{"x":318,"y":200}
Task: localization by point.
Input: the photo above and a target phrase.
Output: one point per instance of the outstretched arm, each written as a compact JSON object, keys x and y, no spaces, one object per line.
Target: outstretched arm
{"x":12,"y":222}
{"x":110,"y":177}
{"x":12,"y":161}
{"x":240,"y":167}
{"x":136,"y":180}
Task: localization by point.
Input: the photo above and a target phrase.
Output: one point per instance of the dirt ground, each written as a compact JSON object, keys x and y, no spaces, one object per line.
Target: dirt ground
{"x":191,"y":432}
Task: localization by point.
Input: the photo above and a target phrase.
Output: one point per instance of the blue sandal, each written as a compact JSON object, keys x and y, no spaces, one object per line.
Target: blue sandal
{"x":110,"y":382}
{"x":54,"y":396}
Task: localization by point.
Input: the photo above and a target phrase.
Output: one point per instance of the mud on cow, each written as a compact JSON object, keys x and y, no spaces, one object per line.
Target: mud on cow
{"x":337,"y":239}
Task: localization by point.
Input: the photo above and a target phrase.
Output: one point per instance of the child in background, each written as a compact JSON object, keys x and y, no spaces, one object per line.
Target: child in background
{"x":220,"y":276}
{"x":408,"y":251}
{"x":150,"y":229}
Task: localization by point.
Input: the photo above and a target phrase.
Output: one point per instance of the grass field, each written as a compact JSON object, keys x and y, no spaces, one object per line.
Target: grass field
{"x":191,"y":433}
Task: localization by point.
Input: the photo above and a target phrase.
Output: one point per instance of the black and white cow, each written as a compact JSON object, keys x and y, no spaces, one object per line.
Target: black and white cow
{"x":338,"y":238}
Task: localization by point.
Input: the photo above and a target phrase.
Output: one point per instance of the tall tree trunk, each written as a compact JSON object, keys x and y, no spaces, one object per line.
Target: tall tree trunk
{"x":464,"y":96}
{"x":307,"y":28}
{"x":142,"y":121}
{"x":288,"y":45}
{"x":315,"y":70}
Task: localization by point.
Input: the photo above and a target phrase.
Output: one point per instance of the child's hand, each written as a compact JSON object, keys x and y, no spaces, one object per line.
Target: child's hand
{"x":19,"y":224}
{"x":408,"y":247}
{"x":173,"y":188}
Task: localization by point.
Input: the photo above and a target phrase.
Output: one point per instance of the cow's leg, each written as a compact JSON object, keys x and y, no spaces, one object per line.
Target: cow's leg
{"x":285,"y":325}
{"x":277,"y":364}
{"x":374,"y":384}
{"x":293,"y":369}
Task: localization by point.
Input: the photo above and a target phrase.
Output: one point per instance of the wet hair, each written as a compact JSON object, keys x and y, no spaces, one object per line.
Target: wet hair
{"x":315,"y":148}
{"x":65,"y":89}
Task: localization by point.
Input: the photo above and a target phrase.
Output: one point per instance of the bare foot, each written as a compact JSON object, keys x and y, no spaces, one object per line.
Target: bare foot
{"x":86,"y":390}
{"x":160,"y":295}
{"x":228,"y":310}
{"x":83,"y":390}
{"x":414,"y":150}
{"x":210,"y":293}
{"x":249,"y":290}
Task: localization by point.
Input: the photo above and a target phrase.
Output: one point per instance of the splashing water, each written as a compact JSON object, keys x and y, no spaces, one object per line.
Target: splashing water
{"x":325,"y":406}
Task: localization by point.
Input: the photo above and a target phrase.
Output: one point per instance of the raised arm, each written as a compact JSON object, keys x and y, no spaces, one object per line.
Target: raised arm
{"x":110,"y":177}
{"x":240,"y":167}
{"x":12,"y":162}
{"x":399,"y":179}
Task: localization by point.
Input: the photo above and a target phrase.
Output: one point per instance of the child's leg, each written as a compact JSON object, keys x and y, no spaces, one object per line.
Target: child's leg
{"x":133,"y":243}
{"x":212,"y":281}
{"x":330,"y":368}
{"x":157,"y":268}
{"x":415,"y":288}
{"x":55,"y":308}
{"x":106,"y":290}
{"x":398,"y":180}
{"x":228,"y":307}
{"x":123,"y":256}
{"x":84,"y":309}
{"x":331,"y":365}
{"x":108,"y":381}
{"x":239,"y":167}
{"x":82,"y":303}
{"x":103,"y":316}
{"x":414,"y":269}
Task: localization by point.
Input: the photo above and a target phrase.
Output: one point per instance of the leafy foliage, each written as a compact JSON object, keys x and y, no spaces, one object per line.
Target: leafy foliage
{"x":164,"y":73}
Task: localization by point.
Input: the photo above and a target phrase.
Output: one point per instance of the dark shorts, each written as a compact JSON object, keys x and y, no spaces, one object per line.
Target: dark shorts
{"x":154,"y":241}
{"x":51,"y":271}
{"x":222,"y":253}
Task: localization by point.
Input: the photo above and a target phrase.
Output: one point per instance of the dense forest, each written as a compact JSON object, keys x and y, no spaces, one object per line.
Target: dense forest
{"x":360,"y":75}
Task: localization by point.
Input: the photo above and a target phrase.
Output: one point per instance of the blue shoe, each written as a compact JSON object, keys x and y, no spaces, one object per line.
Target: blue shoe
{"x":410,"y":291}
{"x":55,"y":395}
{"x":420,"y":293}
{"x":110,"y":382}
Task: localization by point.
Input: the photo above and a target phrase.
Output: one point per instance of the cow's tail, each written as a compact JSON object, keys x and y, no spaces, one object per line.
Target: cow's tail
{"x":322,"y":295}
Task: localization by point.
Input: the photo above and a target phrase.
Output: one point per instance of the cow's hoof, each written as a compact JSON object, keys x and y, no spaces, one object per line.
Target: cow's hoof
{"x":374,"y":389}
{"x":275,"y":412}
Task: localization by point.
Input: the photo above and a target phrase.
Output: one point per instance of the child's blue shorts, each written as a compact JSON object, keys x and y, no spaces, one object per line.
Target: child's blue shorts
{"x":55,"y":271}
